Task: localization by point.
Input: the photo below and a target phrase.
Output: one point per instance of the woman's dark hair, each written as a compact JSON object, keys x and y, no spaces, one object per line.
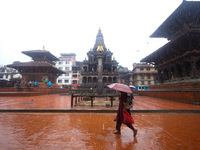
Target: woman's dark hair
{"x":123,"y":97}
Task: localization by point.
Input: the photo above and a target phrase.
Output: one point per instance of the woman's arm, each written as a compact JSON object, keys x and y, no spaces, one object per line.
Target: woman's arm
{"x":124,"y":107}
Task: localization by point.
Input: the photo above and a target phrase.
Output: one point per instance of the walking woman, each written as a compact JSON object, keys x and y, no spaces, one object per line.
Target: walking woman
{"x":120,"y":118}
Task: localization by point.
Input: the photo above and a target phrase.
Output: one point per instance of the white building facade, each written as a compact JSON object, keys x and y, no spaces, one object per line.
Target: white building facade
{"x":67,"y":60}
{"x":7,"y":73}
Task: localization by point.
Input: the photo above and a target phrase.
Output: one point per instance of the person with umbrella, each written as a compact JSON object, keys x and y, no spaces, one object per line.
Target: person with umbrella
{"x":124,"y":89}
{"x":133,"y":88}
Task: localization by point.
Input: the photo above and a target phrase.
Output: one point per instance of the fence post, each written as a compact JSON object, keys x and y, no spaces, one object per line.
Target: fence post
{"x":72,"y":100}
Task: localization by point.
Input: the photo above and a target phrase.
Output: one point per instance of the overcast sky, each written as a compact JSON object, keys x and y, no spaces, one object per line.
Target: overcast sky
{"x":71,"y":26}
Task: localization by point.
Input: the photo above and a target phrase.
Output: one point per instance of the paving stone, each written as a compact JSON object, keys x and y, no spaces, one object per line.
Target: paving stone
{"x":56,"y":101}
{"x":95,"y":131}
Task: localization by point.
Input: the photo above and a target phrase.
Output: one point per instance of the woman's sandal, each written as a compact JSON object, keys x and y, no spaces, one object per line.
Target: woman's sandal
{"x":117,"y":132}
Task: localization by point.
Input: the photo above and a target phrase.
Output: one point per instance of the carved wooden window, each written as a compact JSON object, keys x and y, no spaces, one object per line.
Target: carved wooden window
{"x":142,"y":76}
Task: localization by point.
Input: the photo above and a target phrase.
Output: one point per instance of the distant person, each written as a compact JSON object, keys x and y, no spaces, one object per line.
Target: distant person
{"x":120,"y":117}
{"x":30,"y":83}
{"x":132,"y":95}
{"x":35,"y":84}
{"x":26,"y":84}
{"x":17,"y":84}
{"x":133,"y":89}
{"x":49,"y":83}
{"x":46,"y":80}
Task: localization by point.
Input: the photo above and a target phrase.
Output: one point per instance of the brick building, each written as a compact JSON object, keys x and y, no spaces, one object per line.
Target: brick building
{"x":142,"y":74}
{"x":123,"y":75}
{"x":76,"y":74}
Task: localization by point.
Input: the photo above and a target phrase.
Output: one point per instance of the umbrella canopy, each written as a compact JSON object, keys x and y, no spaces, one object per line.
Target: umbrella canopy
{"x":121,"y":88}
{"x":132,"y":86}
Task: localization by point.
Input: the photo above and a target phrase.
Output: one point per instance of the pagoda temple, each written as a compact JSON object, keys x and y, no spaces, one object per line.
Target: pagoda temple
{"x":100,"y":68}
{"x":40,"y":68}
{"x":178,"y":61}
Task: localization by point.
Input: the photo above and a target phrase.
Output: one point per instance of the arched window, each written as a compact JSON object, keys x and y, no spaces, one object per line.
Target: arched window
{"x":109,"y":80}
{"x":115,"y":80}
{"x":89,"y":79}
{"x":94,"y":80}
{"x":85,"y":68}
{"x":104,"y":80}
{"x":109,"y":59}
{"x":84,"y":80}
{"x":90,"y":58}
{"x":114,"y":68}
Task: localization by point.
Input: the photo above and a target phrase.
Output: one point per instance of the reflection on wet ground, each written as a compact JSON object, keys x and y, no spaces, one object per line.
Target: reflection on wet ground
{"x":95,"y":131}
{"x":56,"y":101}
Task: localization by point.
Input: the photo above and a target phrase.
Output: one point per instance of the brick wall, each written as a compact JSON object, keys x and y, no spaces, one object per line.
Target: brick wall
{"x":188,"y":92}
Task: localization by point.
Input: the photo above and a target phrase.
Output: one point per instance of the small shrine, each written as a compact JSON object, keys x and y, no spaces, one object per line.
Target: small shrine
{"x":40,"y":68}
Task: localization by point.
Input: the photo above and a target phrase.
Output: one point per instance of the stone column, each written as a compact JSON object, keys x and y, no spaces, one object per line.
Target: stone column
{"x":100,"y":69}
{"x":169,"y":73}
{"x":184,"y":71}
{"x":193,"y":69}
{"x":159,"y":76}
{"x":176,"y":73}
{"x":165,"y":74}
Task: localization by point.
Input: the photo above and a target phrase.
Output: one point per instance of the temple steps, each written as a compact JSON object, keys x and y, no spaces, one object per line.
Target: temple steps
{"x":42,"y":89}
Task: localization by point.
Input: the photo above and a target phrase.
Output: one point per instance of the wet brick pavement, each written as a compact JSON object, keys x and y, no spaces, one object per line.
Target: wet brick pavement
{"x":95,"y":131}
{"x":73,"y":131}
{"x":56,"y":101}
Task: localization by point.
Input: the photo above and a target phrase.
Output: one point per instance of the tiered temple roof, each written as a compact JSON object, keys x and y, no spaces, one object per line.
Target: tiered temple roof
{"x":185,"y":17}
{"x":179,"y":59}
{"x":40,"y":68}
{"x":180,"y":26}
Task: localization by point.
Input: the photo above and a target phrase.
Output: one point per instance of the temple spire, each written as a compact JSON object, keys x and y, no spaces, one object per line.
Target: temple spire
{"x":100,"y":47}
{"x":99,"y":39}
